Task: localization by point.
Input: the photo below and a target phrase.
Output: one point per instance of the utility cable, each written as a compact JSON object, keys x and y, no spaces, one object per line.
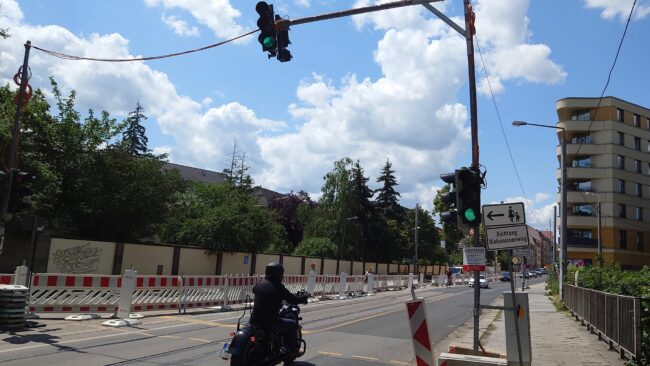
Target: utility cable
{"x":149,"y":58}
{"x":611,"y":70}
{"x":496,"y":108}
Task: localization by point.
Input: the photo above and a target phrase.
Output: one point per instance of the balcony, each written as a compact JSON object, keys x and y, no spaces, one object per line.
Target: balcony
{"x":582,"y":242}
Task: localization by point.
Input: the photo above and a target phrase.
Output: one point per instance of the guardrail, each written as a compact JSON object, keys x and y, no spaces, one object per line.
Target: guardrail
{"x":616,"y":318}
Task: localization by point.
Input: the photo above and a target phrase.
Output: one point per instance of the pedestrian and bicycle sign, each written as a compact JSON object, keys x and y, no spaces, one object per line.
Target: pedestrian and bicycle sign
{"x":504,"y":214}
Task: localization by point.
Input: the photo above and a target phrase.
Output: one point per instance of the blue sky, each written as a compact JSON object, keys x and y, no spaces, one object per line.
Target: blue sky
{"x":386,"y":85}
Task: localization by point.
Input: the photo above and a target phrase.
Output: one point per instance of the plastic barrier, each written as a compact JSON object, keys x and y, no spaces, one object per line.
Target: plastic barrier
{"x":240,"y":287}
{"x":202,"y":291}
{"x":6,"y":279}
{"x":295,"y":283}
{"x":62,"y":293}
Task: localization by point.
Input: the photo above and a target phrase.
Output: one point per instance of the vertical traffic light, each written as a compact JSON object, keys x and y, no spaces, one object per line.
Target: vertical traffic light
{"x":266,"y":24}
{"x":19,"y":191}
{"x":451,"y":215}
{"x":468,"y":187}
{"x":283,"y":40}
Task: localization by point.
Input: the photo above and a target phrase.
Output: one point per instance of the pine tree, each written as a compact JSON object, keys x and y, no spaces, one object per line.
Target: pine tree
{"x":134,"y":137}
{"x":387,"y":195}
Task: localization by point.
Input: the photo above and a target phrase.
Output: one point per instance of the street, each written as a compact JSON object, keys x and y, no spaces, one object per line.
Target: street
{"x":361,"y":331}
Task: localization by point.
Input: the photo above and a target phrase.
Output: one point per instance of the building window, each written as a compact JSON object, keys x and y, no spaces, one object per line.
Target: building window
{"x":621,"y":210}
{"x":619,"y":114}
{"x":583,"y":210}
{"x":648,"y":120}
{"x":637,"y":166}
{"x":620,"y":186}
{"x":622,"y":239}
{"x":581,"y":237}
{"x":582,"y":138}
{"x":638,"y":213}
{"x":584,"y":162}
{"x":583,"y":115}
{"x":621,"y":139}
{"x":582,"y":186}
{"x":620,"y":161}
{"x":639,"y":241}
{"x":637,"y":143}
{"x":637,"y":120}
{"x":637,"y":190}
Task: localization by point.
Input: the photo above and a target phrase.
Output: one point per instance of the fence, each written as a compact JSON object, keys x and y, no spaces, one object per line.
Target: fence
{"x":614,"y":317}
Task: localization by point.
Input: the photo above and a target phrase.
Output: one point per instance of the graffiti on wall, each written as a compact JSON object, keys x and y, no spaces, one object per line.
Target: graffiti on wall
{"x":78,"y":259}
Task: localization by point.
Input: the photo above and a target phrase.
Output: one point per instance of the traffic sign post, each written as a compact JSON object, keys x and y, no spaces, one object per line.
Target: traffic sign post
{"x":507,"y":237}
{"x":504,"y":214}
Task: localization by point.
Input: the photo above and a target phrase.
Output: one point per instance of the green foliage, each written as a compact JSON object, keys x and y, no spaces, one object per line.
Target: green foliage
{"x":287,"y":209}
{"x":611,"y":278}
{"x":219,"y":217}
{"x":317,"y":247}
{"x":387,"y":196}
{"x":134,"y":138}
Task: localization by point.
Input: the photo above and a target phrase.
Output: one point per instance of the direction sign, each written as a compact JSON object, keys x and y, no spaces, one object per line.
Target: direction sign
{"x":507,"y":237}
{"x":474,"y":259}
{"x":523,"y":252}
{"x":504,"y":214}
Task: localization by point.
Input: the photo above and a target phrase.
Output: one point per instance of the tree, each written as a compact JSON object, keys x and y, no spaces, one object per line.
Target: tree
{"x":428,"y":237}
{"x":387,"y":197}
{"x":219,"y":217}
{"x":287,"y":211}
{"x":237,"y":175}
{"x":365,"y":212}
{"x":134,"y":136}
{"x":317,"y":247}
{"x":4,"y":32}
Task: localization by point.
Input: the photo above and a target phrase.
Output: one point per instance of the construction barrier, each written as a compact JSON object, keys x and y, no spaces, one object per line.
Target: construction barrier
{"x":203,"y":291}
{"x":62,"y":293}
{"x":6,"y":279}
{"x":420,"y":332}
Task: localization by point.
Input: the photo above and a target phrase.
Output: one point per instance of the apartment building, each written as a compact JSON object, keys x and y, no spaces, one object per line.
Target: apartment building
{"x":608,"y":166}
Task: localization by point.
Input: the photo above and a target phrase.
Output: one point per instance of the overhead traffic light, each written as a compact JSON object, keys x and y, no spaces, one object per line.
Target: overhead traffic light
{"x":451,"y":215}
{"x":468,"y":187}
{"x":283,"y":40}
{"x":266,"y":24}
{"x":20,"y":190}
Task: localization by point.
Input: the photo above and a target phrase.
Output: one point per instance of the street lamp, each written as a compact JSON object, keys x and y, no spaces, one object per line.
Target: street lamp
{"x":563,"y":201}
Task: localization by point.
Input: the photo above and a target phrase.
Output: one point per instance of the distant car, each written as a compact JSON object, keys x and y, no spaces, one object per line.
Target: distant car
{"x":533,"y":274}
{"x":505,"y":276}
{"x":483,"y":281}
{"x":526,"y":274}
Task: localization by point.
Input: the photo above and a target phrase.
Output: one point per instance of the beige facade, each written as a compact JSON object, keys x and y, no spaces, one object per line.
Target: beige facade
{"x":80,"y":256}
{"x":148,"y":259}
{"x":196,"y":261}
{"x":608,"y":164}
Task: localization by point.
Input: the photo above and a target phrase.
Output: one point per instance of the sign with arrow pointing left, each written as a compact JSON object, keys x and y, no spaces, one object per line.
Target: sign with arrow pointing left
{"x":504,"y":214}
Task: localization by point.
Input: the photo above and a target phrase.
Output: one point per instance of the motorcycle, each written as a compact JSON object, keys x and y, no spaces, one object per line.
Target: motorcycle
{"x":251,"y":346}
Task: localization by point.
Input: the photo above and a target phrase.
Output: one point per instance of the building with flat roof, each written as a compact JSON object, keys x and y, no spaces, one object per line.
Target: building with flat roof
{"x":608,"y":166}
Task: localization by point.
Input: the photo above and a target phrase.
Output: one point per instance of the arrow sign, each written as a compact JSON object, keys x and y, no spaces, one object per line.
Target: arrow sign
{"x":491,"y":214}
{"x":505,"y":214}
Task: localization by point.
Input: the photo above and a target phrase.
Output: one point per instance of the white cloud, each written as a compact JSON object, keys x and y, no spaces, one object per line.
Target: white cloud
{"x":166,"y":149}
{"x":218,"y":15}
{"x":537,"y":217}
{"x":541,"y":197}
{"x":303,"y":3}
{"x":206,"y":101}
{"x":180,"y":26}
{"x":618,"y":9}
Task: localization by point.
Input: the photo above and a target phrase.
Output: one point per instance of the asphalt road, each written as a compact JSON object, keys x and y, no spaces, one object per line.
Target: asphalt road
{"x":358,"y":331}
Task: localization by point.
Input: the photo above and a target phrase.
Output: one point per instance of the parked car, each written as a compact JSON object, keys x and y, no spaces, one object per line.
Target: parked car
{"x":483,"y":281}
{"x":505,"y":276}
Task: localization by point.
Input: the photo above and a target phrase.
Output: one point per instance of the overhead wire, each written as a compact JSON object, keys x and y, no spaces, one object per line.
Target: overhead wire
{"x":148,"y":58}
{"x":512,"y":160}
{"x":609,"y":76}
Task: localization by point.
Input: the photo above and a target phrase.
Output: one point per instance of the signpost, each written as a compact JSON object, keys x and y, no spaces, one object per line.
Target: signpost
{"x":504,"y":214}
{"x":507,"y":237}
{"x":473,"y":259}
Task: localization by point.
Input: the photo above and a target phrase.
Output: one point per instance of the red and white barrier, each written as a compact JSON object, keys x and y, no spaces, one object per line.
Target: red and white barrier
{"x":420,"y":332}
{"x":61,"y":293}
{"x":203,"y":291}
{"x":6,"y":279}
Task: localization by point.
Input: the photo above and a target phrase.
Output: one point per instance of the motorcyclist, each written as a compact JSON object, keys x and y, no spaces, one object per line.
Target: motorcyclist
{"x":269,"y":294}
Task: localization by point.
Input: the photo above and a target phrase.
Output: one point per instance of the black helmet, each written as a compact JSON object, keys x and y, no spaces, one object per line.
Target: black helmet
{"x":274,"y":272}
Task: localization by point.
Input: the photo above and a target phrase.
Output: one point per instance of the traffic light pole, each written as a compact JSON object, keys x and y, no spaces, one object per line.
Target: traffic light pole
{"x":11,"y":161}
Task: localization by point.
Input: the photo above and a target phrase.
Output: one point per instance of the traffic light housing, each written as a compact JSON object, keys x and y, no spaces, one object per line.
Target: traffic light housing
{"x":20,"y":190}
{"x":451,"y":215}
{"x":266,"y":24}
{"x":468,"y":200}
{"x":284,"y":54}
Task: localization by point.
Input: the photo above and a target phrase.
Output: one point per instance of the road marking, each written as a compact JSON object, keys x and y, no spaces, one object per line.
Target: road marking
{"x":330,"y":353}
{"x":399,"y":362}
{"x":377,"y":315}
{"x":200,"y":340}
{"x":203,"y":322}
{"x":365,"y":358}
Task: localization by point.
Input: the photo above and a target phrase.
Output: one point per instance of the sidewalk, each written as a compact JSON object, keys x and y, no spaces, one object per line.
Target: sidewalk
{"x":557,"y":339}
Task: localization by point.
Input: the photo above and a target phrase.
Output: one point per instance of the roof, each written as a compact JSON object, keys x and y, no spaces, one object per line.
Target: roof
{"x":196,"y":174}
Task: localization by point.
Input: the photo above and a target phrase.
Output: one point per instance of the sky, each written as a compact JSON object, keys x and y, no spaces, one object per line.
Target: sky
{"x":386,"y":85}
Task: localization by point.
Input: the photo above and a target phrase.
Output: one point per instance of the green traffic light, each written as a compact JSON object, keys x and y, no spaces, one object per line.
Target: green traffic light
{"x":470,"y":215}
{"x":268,"y":42}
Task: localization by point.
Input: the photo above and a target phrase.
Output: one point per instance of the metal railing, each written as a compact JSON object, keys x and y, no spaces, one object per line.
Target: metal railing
{"x":615,"y":318}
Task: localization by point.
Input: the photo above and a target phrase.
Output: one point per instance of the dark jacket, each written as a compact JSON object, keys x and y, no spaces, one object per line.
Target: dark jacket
{"x":268,"y":301}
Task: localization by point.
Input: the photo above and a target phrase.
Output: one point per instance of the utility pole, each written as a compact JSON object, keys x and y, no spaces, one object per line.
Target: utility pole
{"x":11,"y":161}
{"x":416,"y":239}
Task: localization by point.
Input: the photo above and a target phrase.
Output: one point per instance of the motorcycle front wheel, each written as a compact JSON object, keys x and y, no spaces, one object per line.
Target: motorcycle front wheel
{"x":251,"y":355}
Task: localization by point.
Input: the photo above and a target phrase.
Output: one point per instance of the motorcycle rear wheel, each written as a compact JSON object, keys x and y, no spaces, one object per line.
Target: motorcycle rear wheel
{"x":250,"y":356}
